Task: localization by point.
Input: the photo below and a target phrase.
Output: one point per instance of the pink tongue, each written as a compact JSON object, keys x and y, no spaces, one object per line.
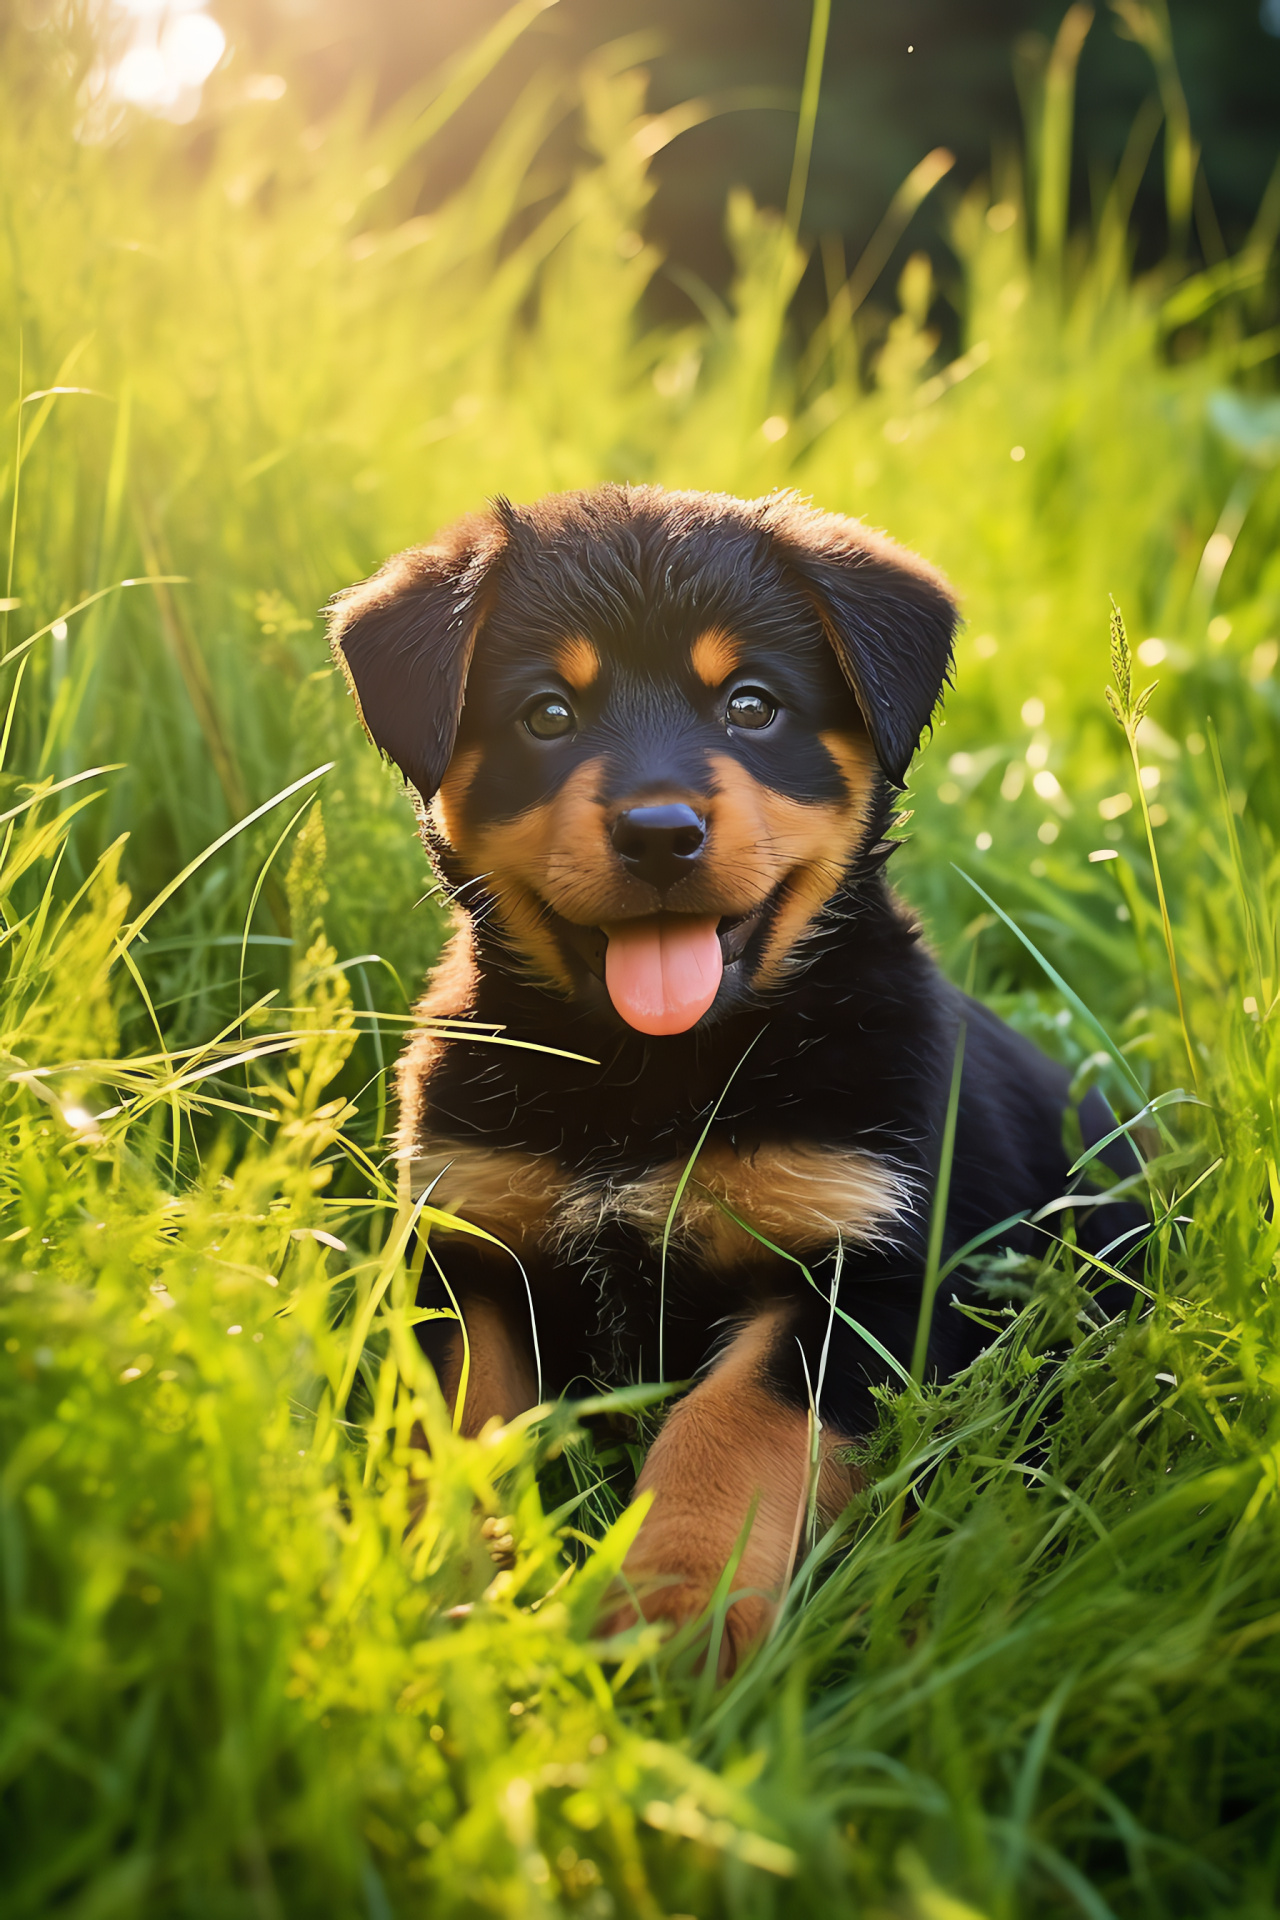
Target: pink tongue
{"x":662,"y":974}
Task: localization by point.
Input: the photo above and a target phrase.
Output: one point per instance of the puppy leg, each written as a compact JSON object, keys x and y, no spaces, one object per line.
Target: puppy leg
{"x":500,"y":1383}
{"x":500,"y":1380}
{"x":729,"y":1445}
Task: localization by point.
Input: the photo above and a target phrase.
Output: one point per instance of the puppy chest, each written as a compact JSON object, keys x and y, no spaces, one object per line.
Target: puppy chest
{"x":730,"y":1209}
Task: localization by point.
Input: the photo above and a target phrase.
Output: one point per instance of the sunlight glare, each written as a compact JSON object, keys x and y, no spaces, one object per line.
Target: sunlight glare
{"x":155,"y":54}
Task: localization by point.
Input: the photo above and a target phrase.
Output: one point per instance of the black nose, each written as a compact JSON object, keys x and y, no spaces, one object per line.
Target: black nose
{"x":659,"y":844}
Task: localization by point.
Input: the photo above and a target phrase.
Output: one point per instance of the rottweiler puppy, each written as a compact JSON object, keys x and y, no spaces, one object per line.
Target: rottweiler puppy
{"x":657,"y":739}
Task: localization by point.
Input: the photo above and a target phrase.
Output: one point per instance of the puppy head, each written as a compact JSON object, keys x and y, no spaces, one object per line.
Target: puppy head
{"x":652,"y":729}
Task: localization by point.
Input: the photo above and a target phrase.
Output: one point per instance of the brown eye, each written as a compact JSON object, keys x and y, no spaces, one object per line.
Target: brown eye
{"x":750,"y":707}
{"x":550,"y":717}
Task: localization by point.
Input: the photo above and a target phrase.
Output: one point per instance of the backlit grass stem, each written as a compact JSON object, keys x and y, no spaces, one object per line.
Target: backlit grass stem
{"x":938,"y":1212}
{"x":1129,"y":710}
{"x":810,"y":92}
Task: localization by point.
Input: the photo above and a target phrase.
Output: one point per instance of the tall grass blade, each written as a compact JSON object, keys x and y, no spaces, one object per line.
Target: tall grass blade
{"x":938,"y":1213}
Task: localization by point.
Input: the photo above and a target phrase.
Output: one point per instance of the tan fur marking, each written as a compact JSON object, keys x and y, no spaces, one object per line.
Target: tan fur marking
{"x":501,"y":1382}
{"x":798,"y":1196}
{"x":446,"y":808}
{"x":728,"y":1444}
{"x":450,"y":995}
{"x":714,"y":656}
{"x":761,"y":833}
{"x":577,"y":661}
{"x":521,"y":858}
{"x":816,"y":877}
{"x":509,"y":1194}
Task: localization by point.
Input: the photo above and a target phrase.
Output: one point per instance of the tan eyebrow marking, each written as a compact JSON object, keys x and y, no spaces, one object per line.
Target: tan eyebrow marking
{"x":577,"y":661}
{"x":713,"y":656}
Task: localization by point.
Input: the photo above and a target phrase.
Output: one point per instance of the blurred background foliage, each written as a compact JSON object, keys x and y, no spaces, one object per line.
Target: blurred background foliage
{"x":900,"y":79}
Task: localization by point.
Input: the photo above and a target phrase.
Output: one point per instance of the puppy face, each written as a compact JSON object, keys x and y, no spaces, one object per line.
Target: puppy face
{"x":685,"y":748}
{"x":636,"y":719}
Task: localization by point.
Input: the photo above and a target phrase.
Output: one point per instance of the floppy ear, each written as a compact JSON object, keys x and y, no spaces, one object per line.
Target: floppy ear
{"x":404,"y":641}
{"x":889,"y":616}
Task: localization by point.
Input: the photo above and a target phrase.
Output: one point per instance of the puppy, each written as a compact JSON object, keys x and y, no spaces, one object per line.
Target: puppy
{"x":657,"y":739}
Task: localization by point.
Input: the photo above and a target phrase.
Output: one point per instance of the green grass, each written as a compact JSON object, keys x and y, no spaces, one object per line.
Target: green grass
{"x":245,"y":1670}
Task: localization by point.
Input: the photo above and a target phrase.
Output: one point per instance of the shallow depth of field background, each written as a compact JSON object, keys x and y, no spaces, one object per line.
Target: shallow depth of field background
{"x":282,"y":292}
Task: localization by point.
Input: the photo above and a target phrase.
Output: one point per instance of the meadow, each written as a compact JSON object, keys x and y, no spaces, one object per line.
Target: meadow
{"x":245,"y":1669}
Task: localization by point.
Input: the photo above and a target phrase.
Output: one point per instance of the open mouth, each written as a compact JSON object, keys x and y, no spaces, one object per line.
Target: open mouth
{"x":662,"y":971}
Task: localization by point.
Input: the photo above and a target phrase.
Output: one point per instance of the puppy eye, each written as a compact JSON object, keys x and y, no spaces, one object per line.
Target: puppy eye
{"x":550,"y":717}
{"x":751,"y":707}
